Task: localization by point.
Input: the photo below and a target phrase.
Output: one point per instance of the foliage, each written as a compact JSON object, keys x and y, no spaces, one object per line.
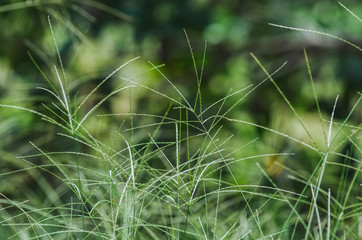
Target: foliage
{"x":100,"y":144}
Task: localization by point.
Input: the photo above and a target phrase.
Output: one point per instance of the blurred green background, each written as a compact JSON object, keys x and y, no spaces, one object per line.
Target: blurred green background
{"x":96,"y":37}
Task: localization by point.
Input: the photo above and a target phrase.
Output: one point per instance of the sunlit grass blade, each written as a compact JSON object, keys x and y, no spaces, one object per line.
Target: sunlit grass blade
{"x":352,"y":13}
{"x":274,"y":131}
{"x":317,"y":32}
{"x":98,"y":104}
{"x":102,"y":82}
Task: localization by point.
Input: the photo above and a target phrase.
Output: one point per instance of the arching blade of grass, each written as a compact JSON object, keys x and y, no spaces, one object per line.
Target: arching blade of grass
{"x":102,"y":82}
{"x":352,"y":13}
{"x":54,"y":94}
{"x":44,"y":117}
{"x":317,"y":32}
{"x":274,"y":131}
{"x":99,"y":103}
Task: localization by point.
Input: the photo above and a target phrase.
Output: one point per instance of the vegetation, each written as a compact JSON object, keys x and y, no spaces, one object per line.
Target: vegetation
{"x":113,"y":131}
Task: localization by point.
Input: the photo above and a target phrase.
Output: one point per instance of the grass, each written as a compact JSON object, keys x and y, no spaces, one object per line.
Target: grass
{"x":174,"y":175}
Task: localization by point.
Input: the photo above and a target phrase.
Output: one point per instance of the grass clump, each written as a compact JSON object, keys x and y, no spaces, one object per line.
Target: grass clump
{"x":175,"y":175}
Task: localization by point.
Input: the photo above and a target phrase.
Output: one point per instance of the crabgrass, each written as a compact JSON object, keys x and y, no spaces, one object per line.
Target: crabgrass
{"x":176,"y":175}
